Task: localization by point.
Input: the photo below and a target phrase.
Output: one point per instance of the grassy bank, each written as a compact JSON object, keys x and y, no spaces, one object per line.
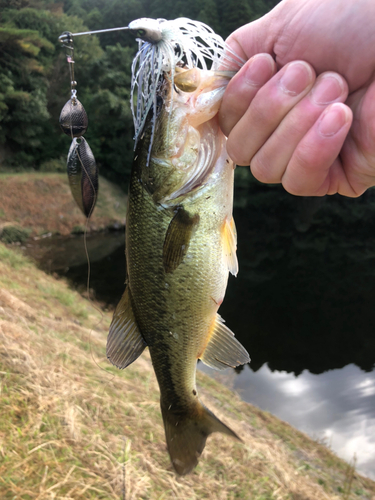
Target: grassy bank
{"x":73,"y":427}
{"x":41,"y":202}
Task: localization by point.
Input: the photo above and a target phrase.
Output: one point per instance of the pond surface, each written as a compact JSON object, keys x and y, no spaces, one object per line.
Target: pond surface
{"x":302,"y":305}
{"x":336,"y":407}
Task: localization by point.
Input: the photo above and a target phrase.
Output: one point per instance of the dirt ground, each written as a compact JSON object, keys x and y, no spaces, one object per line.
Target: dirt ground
{"x":42,"y":203}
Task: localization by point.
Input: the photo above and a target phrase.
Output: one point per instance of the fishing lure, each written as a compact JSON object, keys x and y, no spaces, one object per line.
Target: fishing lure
{"x":81,"y":165}
{"x":82,"y":175}
{"x":165,"y":46}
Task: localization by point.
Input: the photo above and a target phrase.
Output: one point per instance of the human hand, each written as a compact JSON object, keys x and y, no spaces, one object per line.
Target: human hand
{"x":308,"y":119}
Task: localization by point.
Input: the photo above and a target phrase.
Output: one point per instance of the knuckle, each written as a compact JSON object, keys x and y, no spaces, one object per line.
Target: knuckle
{"x":305,"y":157}
{"x":263,"y":111}
{"x":269,"y":106}
{"x":262,"y":169}
{"x":238,"y":156}
{"x":298,"y":123}
{"x":296,"y":189}
{"x":367,"y":140}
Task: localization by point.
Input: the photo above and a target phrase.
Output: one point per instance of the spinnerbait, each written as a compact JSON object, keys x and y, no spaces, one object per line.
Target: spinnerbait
{"x":81,"y":165}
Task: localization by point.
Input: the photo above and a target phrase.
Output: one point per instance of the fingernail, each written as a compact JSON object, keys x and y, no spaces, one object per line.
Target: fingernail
{"x":333,"y":119}
{"x":297,"y":76}
{"x":260,"y":70}
{"x":328,"y":88}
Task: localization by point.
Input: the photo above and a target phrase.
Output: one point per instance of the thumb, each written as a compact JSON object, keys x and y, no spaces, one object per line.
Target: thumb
{"x":254,"y":38}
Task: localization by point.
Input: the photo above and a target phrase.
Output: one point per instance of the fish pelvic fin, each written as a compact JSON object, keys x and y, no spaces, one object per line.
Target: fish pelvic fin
{"x":186,"y":434}
{"x":223,"y":349}
{"x":125,"y":342}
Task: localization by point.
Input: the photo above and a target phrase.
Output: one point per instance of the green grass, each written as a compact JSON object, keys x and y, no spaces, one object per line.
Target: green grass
{"x":13,"y":257}
{"x":66,"y":297}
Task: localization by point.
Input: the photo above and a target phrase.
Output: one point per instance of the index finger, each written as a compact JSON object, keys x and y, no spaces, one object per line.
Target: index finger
{"x":242,"y":89}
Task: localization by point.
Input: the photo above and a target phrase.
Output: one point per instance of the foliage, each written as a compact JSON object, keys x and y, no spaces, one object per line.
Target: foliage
{"x":13,"y":234}
{"x":106,"y":101}
{"x":30,"y":88}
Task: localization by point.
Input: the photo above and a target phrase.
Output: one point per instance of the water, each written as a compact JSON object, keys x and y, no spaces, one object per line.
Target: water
{"x":335,"y":408}
{"x":302,"y":305}
{"x":66,"y":256}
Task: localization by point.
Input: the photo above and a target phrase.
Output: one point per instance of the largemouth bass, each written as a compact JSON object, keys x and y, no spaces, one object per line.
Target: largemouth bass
{"x":180,"y":239}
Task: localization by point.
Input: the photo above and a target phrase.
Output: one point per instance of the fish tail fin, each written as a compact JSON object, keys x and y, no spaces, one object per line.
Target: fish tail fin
{"x":186,"y":434}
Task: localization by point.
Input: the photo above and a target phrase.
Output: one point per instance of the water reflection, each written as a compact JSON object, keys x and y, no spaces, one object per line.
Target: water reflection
{"x":336,"y":407}
{"x":305,"y":293}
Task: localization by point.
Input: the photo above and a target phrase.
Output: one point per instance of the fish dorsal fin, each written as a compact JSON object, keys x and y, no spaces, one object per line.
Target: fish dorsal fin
{"x":125,"y":342}
{"x":230,"y":246}
{"x":177,"y":238}
{"x":223,"y":349}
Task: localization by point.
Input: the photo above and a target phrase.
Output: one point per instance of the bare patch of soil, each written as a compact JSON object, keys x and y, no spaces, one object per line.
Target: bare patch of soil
{"x":42,"y":202}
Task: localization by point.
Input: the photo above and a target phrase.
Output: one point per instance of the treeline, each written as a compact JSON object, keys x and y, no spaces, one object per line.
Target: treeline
{"x":34,"y":76}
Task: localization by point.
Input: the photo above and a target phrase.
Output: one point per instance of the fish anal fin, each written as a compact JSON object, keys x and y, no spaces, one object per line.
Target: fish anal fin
{"x":223,"y":349}
{"x":229,"y":236}
{"x":125,"y":342}
{"x":186,"y":434}
{"x":177,"y":238}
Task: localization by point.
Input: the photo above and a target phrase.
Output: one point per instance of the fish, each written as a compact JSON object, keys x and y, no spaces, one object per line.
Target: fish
{"x":180,"y":233}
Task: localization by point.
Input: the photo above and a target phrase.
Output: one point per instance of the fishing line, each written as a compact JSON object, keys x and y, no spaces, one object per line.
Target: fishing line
{"x":96,"y":307}
{"x":123,"y":471}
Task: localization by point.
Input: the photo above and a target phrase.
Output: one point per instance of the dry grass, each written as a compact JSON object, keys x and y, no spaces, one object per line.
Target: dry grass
{"x":74,"y":428}
{"x":21,"y":205}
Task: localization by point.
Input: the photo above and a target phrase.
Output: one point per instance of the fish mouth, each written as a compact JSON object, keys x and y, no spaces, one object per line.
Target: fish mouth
{"x":191,"y":141}
{"x":166,"y":45}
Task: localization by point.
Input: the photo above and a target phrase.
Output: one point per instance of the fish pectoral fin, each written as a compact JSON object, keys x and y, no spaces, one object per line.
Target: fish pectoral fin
{"x":177,"y":238}
{"x":230,"y":246}
{"x":223,"y":349}
{"x":125,"y":342}
{"x":186,"y":433}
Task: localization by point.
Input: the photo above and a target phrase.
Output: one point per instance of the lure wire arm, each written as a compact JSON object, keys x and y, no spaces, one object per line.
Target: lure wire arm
{"x":66,"y":40}
{"x":67,"y":36}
